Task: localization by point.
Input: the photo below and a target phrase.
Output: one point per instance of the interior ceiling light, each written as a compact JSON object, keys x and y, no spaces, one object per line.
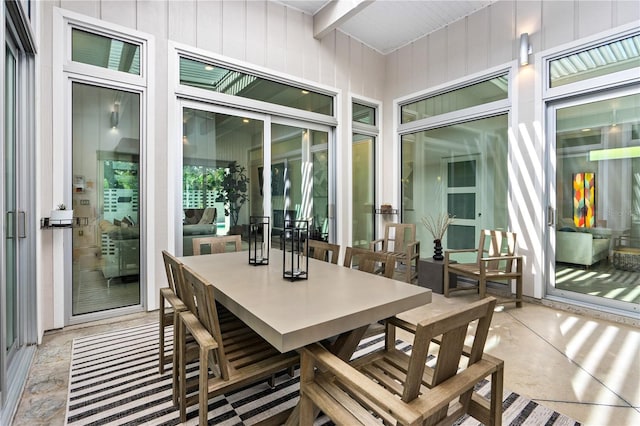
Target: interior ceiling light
{"x":208,"y":67}
{"x":614,"y":153}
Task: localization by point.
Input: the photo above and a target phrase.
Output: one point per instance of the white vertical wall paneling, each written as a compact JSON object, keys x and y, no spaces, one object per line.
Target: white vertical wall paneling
{"x":557,"y":23}
{"x":404,"y":71}
{"x":182,"y":16}
{"x":341,"y":60}
{"x":477,"y":41}
{"x":152,"y":18}
{"x":119,"y":12}
{"x":234,"y":35}
{"x":327,"y":64}
{"x":593,"y":17}
{"x":276,"y":37}
{"x":501,"y":33}
{"x":256,"y":32}
{"x":44,"y":272}
{"x":295,"y":41}
{"x":374,"y":74}
{"x":311,"y":52}
{"x":420,"y":63}
{"x":209,"y":26}
{"x":626,"y":12}
{"x":89,"y":8}
{"x":457,"y":49}
{"x":437,"y":62}
{"x":356,"y":81}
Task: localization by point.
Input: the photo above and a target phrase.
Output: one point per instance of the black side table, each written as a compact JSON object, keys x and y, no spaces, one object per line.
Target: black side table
{"x":431,"y":275}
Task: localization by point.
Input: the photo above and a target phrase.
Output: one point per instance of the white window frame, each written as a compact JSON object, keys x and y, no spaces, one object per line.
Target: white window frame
{"x":548,"y":99}
{"x":65,"y":72}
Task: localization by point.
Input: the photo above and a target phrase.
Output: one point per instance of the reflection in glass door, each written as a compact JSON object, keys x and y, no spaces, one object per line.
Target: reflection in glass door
{"x":106,"y":199}
{"x":363,"y":172}
{"x":300,"y":178}
{"x":220,"y":185}
{"x":11,"y":231}
{"x":597,"y":201}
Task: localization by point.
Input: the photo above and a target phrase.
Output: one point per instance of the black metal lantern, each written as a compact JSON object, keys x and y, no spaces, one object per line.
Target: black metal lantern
{"x":259,"y":240}
{"x":295,"y":264}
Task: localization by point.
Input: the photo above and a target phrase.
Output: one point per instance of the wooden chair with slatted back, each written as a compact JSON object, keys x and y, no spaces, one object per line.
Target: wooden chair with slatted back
{"x":400,"y":241}
{"x":176,"y":296}
{"x":217,"y":244}
{"x":231,"y":354}
{"x":324,"y":251}
{"x":496,"y":260}
{"x":369,"y":261}
{"x":398,"y":388}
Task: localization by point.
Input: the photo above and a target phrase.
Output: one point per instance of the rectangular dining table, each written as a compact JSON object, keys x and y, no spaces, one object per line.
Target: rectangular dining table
{"x":292,"y":314}
{"x":334,"y":301}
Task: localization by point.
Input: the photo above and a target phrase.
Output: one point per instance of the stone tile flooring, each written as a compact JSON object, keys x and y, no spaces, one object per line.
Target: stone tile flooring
{"x":585,"y":367}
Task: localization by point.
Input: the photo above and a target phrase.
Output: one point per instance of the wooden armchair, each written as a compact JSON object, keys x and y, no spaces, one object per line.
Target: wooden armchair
{"x":495,"y":260}
{"x":397,"y":388}
{"x":172,"y":296}
{"x":217,"y":244}
{"x":369,"y":261}
{"x":323,"y":251}
{"x":400,"y":241}
{"x":231,"y":354}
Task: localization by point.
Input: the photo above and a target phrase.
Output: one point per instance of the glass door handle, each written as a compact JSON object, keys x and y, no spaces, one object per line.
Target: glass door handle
{"x":551,"y":214}
{"x":22,"y":224}
{"x":11,"y":226}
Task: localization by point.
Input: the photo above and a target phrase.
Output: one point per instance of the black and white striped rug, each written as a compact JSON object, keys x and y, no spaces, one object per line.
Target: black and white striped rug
{"x":114,"y":380}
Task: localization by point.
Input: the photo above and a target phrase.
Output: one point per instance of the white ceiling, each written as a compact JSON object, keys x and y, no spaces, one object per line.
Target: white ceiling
{"x":386,"y":25}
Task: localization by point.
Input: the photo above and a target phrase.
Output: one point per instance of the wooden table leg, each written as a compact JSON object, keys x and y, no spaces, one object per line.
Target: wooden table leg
{"x":343,"y":347}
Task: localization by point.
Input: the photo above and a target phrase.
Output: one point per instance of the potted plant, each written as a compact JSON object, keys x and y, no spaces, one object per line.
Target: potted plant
{"x":61,"y":216}
{"x":437,"y":225}
{"x":233,"y":193}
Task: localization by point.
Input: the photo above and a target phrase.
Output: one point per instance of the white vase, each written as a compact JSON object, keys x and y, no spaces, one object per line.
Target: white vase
{"x":61,"y":218}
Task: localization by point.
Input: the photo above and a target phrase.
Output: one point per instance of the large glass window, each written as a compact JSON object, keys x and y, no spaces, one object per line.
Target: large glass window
{"x":491,"y":90}
{"x":224,"y":80}
{"x":106,"y":198}
{"x":220,"y":188}
{"x":597,"y":233}
{"x":450,"y":170}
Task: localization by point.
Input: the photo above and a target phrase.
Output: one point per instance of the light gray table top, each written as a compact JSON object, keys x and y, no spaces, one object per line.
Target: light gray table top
{"x":290,"y":315}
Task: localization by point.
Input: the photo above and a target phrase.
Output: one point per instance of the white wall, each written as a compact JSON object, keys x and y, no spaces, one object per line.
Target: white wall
{"x":490,"y":38}
{"x":263,"y":33}
{"x":269,"y":35}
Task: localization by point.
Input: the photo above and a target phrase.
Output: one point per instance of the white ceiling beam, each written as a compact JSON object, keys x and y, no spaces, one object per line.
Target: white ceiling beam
{"x":335,"y":13}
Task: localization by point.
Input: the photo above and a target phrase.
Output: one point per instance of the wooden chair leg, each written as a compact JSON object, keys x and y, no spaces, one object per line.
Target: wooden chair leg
{"x":445,"y":280}
{"x":182,"y":379}
{"x":176,"y":356}
{"x":482,"y":287}
{"x":495,"y":414}
{"x":161,"y":327}
{"x":203,"y":388}
{"x":519,"y":292}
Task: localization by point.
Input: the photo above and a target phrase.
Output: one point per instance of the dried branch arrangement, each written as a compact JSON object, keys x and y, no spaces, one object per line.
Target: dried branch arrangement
{"x":437,"y":224}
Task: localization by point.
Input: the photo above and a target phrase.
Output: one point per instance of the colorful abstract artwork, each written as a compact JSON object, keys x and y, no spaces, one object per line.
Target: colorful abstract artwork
{"x":584,"y":199}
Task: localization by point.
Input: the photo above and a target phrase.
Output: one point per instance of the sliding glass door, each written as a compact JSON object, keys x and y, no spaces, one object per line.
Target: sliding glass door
{"x":224,"y":180}
{"x":595,"y":237}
